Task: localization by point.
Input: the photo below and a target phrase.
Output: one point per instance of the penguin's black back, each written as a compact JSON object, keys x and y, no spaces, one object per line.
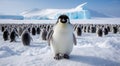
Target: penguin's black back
{"x":5,"y":35}
{"x":12,"y":36}
{"x":33,"y":31}
{"x":79,"y":31}
{"x":26,"y":39}
{"x":2,"y":29}
{"x":105,"y":31}
{"x":100,"y":33}
{"x":115,"y":29}
{"x":38,"y":30}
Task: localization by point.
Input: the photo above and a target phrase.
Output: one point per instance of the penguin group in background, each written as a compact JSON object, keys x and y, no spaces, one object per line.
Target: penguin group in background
{"x":26,"y":38}
{"x":62,"y":38}
{"x":5,"y":35}
{"x":13,"y":36}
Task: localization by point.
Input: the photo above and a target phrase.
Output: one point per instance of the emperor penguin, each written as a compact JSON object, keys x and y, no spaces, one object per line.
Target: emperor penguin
{"x":33,"y":31}
{"x":26,"y":38}
{"x":78,"y":31}
{"x":5,"y":34}
{"x":44,"y":34}
{"x":13,"y":35}
{"x":62,"y":38}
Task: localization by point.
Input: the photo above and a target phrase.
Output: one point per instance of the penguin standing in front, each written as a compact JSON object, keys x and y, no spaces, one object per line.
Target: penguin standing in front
{"x":62,"y":38}
{"x":5,"y":34}
{"x":26,"y":38}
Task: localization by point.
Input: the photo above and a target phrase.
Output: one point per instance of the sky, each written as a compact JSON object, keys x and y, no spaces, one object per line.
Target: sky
{"x":110,"y":7}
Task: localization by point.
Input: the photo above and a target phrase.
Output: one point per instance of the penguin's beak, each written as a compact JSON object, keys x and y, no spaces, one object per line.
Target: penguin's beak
{"x":63,"y":21}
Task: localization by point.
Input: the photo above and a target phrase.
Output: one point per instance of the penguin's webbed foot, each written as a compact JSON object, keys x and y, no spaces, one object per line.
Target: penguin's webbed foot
{"x":66,"y":56}
{"x":57,"y":57}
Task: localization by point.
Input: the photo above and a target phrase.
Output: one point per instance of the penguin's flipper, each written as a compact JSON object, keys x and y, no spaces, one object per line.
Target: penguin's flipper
{"x":74,"y":40}
{"x":49,"y":36}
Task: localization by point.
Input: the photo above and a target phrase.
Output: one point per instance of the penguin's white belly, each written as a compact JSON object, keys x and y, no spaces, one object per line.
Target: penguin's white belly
{"x":62,"y":42}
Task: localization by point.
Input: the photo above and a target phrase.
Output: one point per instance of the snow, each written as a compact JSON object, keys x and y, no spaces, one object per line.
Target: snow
{"x":74,"y":13}
{"x":90,"y":50}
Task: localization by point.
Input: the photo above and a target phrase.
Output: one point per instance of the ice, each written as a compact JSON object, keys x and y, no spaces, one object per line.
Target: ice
{"x":74,"y":13}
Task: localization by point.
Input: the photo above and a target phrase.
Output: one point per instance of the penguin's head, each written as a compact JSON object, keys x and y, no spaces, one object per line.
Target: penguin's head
{"x":63,"y":19}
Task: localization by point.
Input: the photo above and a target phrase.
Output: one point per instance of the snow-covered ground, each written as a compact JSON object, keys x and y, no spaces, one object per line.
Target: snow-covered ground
{"x":89,"y":51}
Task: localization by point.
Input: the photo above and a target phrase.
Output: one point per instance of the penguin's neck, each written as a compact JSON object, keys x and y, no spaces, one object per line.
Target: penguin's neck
{"x":63,"y":28}
{"x":62,"y":25}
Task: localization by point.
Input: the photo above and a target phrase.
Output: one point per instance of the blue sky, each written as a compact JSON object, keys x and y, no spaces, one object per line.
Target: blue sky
{"x":111,"y":7}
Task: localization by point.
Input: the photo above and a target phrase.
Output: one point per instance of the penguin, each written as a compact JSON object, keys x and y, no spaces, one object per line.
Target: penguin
{"x":5,"y":34}
{"x":20,"y":30}
{"x":99,"y":32}
{"x":62,"y":38}
{"x":2,"y":28}
{"x":114,"y":29}
{"x":78,"y":31}
{"x":105,"y":30}
{"x":44,"y":34}
{"x":33,"y":31}
{"x":13,"y":35}
{"x":26,"y":38}
{"x":93,"y":29}
{"x":38,"y":30}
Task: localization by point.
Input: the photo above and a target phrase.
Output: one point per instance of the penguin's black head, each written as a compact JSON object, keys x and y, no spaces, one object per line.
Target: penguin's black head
{"x":63,"y":19}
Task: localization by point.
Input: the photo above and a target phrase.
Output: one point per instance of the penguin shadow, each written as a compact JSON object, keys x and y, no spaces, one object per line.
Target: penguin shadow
{"x":94,"y":61}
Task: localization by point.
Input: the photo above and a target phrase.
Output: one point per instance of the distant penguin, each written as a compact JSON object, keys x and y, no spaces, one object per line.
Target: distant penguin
{"x":38,"y":30}
{"x":5,"y":35}
{"x":2,"y":28}
{"x":84,"y":28}
{"x":13,"y":35}
{"x":114,"y":30}
{"x":78,"y":31}
{"x":33,"y":31}
{"x":20,"y":30}
{"x":44,"y":34}
{"x":26,"y":38}
{"x":93,"y":29}
{"x":99,"y":32}
{"x":105,"y":30}
{"x":62,"y":38}
{"x":29,"y":29}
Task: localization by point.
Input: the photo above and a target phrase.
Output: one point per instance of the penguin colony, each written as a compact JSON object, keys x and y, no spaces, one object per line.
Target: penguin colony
{"x":11,"y":32}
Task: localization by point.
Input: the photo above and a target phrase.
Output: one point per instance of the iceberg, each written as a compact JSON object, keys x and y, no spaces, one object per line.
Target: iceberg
{"x":78,"y":12}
